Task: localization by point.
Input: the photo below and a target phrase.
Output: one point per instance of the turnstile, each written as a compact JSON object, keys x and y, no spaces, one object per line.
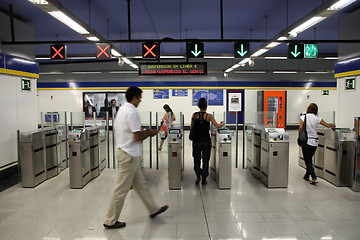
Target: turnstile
{"x":274,"y":164}
{"x":220,"y":163}
{"x":102,"y":149}
{"x":339,"y":156}
{"x":52,"y":152}
{"x":62,"y":139}
{"x":301,"y":158}
{"x":175,"y":158}
{"x":249,"y":148}
{"x":94,"y":151}
{"x":319,"y":154}
{"x":256,"y":140}
{"x":79,"y":159}
{"x":32,"y":158}
{"x":356,"y":175}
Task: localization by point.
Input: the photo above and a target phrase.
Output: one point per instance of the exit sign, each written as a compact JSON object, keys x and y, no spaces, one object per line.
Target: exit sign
{"x":25,"y":85}
{"x":311,"y":51}
{"x":325,"y":92}
{"x":350,"y":84}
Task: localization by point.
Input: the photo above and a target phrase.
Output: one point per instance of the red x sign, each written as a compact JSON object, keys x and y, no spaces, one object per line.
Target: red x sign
{"x":58,"y":52}
{"x":103,"y":51}
{"x":150,"y":50}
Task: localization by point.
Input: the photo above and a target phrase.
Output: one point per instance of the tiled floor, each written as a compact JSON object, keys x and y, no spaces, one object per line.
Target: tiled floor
{"x":52,"y":211}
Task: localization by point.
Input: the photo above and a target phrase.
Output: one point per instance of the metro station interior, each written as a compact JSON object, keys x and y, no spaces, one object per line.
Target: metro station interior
{"x":259,"y":64}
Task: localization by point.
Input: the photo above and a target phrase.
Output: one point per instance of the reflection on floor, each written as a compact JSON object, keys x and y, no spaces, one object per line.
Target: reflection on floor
{"x":248,"y":211}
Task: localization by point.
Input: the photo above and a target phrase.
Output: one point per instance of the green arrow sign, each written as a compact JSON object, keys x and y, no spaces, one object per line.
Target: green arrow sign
{"x":196,"y":52}
{"x":242,"y":52}
{"x":241,"y":49}
{"x":296,"y":53}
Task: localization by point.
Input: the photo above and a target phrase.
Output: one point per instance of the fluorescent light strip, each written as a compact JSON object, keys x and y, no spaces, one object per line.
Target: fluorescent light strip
{"x":68,"y":22}
{"x":120,"y":72}
{"x":259,"y":52}
{"x":282,"y":38}
{"x":115,"y":53}
{"x":309,"y":23}
{"x":39,"y":2}
{"x":331,"y":58}
{"x":341,"y":4}
{"x":273,"y":44}
{"x":258,"y":72}
{"x":85,"y":72}
{"x":276,"y":58}
{"x":219,"y":57}
{"x":245,"y":60}
{"x":285,"y":72}
{"x":92,"y":38}
{"x":319,"y":72}
{"x":229,"y":70}
{"x":51,"y":73}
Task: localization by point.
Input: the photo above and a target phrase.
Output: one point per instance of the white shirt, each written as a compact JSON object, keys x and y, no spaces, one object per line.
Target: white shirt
{"x":127,"y":122}
{"x":312,"y":122}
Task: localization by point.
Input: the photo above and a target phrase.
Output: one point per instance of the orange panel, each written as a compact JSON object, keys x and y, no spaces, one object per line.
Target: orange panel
{"x":274,"y":101}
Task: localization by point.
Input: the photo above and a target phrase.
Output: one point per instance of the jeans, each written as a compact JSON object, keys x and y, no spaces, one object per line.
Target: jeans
{"x":308,"y":152}
{"x":201,"y":150}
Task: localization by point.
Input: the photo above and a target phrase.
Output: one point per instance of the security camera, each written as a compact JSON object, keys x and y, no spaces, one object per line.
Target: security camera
{"x":251,"y":62}
{"x":121,"y":62}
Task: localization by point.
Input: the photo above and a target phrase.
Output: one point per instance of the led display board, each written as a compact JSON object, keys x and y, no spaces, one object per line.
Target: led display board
{"x":183,"y":68}
{"x":241,"y":50}
{"x":58,"y":52}
{"x":295,"y":51}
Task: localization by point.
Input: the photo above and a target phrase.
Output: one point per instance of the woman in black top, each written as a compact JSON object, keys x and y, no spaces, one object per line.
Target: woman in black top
{"x":201,"y":140}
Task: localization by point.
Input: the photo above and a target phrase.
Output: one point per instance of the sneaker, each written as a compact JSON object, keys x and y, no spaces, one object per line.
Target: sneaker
{"x":117,"y":224}
{"x":161,"y":210}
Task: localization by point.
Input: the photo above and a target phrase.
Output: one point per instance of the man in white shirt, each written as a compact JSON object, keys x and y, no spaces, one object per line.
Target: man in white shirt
{"x":128,"y":137}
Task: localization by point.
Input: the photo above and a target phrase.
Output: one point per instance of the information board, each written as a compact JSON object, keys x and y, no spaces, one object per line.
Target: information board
{"x":216,"y":97}
{"x":180,"y":92}
{"x":199,"y":93}
{"x":161,"y":93}
{"x":198,"y":68}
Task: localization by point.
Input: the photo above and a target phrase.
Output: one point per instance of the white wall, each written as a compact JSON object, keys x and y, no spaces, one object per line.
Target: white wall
{"x":18,"y":112}
{"x":347,"y":107}
{"x":297,"y":102}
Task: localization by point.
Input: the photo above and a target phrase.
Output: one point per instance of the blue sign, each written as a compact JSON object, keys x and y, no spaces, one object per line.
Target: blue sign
{"x":180,"y":92}
{"x":48,"y":117}
{"x":161,"y":93}
{"x":216,"y":97}
{"x":199,"y":93}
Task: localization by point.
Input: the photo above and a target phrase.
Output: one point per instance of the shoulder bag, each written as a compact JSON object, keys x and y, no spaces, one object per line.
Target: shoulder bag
{"x":302,"y":139}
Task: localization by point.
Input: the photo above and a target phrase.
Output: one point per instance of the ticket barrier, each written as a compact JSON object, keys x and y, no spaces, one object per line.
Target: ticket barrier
{"x":319,"y":154}
{"x":249,"y":148}
{"x":339,"y":155}
{"x":62,"y":139}
{"x":79,"y":159}
{"x":32,"y":158}
{"x":102,"y":149}
{"x":220,"y":163}
{"x":274,"y":164}
{"x":301,"y":158}
{"x":356,"y":175}
{"x":256,"y":140}
{"x":175,"y":158}
{"x":52,"y":146}
{"x":94,"y":151}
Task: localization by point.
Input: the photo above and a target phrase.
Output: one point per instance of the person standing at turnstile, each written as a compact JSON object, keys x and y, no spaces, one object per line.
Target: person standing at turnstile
{"x":128,"y":137}
{"x":308,"y":149}
{"x":166,"y":123}
{"x":199,"y":131}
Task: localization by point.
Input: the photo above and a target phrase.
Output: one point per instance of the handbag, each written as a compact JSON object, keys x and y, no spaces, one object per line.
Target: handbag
{"x":302,"y":139}
{"x":163,"y":131}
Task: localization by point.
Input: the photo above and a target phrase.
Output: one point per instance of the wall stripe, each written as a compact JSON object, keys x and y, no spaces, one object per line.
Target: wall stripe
{"x":347,"y":74}
{"x":349,"y":67}
{"x":17,"y":66}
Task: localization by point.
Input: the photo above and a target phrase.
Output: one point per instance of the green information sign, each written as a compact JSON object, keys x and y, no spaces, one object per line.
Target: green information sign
{"x":25,"y":85}
{"x":350,"y":84}
{"x":325,"y":92}
{"x":311,"y":51}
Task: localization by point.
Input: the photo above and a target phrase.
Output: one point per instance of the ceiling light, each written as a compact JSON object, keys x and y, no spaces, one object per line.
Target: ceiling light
{"x":134,"y":66}
{"x":276,"y":58}
{"x":245,"y":60}
{"x":115,"y":53}
{"x":258,"y":72}
{"x":273,"y":44}
{"x":259,"y":52}
{"x":229,"y":70}
{"x":114,"y":72}
{"x":127,"y":61}
{"x":85,"y":72}
{"x":285,"y":72}
{"x":68,"y":22}
{"x":318,"y":72}
{"x":40,"y":2}
{"x":309,"y":23}
{"x":219,"y":57}
{"x":51,"y":73}
{"x":236,"y":65}
{"x":94,"y":39}
{"x":331,"y":58}
{"x":282,"y":38}
{"x":42,"y":58}
{"x":341,"y":4}
{"x":226,"y":74}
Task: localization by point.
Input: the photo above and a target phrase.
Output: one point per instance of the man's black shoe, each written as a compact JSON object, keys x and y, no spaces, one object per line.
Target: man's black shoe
{"x":161,"y":210}
{"x":116,"y":225}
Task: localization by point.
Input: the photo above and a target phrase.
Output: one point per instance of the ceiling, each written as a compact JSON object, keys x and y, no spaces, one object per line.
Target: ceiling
{"x":179,"y":19}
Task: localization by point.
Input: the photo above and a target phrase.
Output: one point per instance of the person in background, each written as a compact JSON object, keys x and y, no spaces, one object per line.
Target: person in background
{"x":104,"y":109}
{"x":89,"y":109}
{"x":128,"y":137}
{"x":113,"y":108}
{"x":312,"y":122}
{"x":201,"y":140}
{"x":166,"y":123}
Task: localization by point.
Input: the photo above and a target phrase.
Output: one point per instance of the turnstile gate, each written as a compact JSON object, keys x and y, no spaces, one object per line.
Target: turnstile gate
{"x":102,"y":149}
{"x":356,"y":175}
{"x":32,"y":158}
{"x":52,"y":152}
{"x":339,"y":156}
{"x":62,"y":139}
{"x":256,"y":140}
{"x":249,"y":148}
{"x":319,"y":154}
{"x":94,"y":152}
{"x":175,"y":158}
{"x":220,"y":165}
{"x":274,"y":164}
{"x":79,"y":159}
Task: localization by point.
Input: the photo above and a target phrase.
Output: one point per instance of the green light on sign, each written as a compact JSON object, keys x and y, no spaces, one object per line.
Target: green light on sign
{"x":325,"y":92}
{"x":311,"y":51}
{"x":25,"y":85}
{"x":350,"y":84}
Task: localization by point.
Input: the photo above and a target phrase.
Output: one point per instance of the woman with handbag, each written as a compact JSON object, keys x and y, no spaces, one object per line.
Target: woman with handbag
{"x":200,"y":126}
{"x":166,"y":122}
{"x":312,"y":121}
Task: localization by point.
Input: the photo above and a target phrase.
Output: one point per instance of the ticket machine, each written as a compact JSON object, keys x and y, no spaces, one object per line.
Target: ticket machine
{"x":175,"y":158}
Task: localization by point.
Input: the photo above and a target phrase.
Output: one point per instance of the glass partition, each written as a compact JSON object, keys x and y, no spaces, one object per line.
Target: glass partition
{"x":49,"y":119}
{"x":328,"y":117}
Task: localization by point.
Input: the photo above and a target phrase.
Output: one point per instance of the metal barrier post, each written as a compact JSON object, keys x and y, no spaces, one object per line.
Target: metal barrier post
{"x":66,"y":140}
{"x":244,"y":140}
{"x":237,"y":140}
{"x":113,"y":142}
{"x":157,"y":142}
{"x":107,"y":139}
{"x":150,"y":142}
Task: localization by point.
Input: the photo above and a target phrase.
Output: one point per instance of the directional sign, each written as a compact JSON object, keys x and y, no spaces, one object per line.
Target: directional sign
{"x":103,"y":51}
{"x":350,"y":84}
{"x":311,"y":51}
{"x":195,"y":50}
{"x":25,"y":84}
{"x":295,"y":51}
{"x":58,"y":52}
{"x":241,"y":50}
{"x":150,"y":50}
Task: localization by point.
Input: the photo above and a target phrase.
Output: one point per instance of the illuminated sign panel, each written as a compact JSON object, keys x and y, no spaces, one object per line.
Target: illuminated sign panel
{"x":241,"y":50}
{"x":295,"y":51}
{"x":103,"y":51}
{"x":311,"y":51}
{"x":173,"y":68}
{"x":58,"y":52}
{"x":150,"y":50}
{"x":195,"y":50}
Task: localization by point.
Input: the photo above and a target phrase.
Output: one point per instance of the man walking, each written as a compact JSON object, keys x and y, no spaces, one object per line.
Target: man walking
{"x":128,"y":136}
